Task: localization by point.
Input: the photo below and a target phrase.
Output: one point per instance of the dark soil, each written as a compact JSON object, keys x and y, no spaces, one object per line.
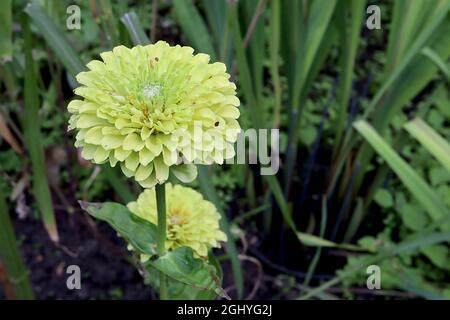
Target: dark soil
{"x":104,"y":273}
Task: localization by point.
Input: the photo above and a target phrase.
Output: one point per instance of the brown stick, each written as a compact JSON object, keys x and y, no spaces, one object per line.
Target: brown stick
{"x":6,"y":283}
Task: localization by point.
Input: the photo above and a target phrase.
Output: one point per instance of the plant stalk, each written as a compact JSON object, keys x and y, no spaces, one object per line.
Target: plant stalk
{"x":160,"y":190}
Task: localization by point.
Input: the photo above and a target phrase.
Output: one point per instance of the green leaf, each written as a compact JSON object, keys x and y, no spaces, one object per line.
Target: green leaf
{"x":438,"y":254}
{"x":312,"y":39}
{"x":417,"y":73}
{"x":439,"y":175}
{"x":181,"y":265}
{"x":32,"y":132}
{"x":315,"y":241}
{"x":141,"y":234}
{"x":431,"y":140}
{"x":384,"y":198}
{"x":406,"y":22}
{"x":414,"y":217}
{"x":6,"y":31}
{"x":243,"y":66}
{"x":409,"y":245}
{"x":307,"y":135}
{"x":349,"y":25}
{"x":180,"y":291}
{"x":315,"y":260}
{"x":433,"y":56}
{"x":16,"y":271}
{"x":428,"y":198}
{"x":177,"y":290}
{"x":409,"y":77}
{"x":319,"y":15}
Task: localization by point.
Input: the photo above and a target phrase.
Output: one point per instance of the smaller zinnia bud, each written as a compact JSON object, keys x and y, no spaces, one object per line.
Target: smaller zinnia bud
{"x":191,"y":220}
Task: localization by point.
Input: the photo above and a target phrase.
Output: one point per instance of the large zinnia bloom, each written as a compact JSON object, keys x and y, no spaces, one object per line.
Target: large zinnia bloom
{"x":191,"y":220}
{"x":155,"y":110}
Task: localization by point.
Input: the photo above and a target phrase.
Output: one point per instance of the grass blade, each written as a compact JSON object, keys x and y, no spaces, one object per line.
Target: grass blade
{"x":355,"y":221}
{"x":315,"y":21}
{"x":412,"y":181}
{"x":403,"y":247}
{"x":55,"y":38}
{"x":33,"y":138}
{"x":10,"y":254}
{"x":134,"y":27}
{"x":274,"y":51}
{"x":245,"y":78}
{"x":433,"y":56}
{"x":194,"y":27}
{"x":316,"y":258}
{"x":420,"y":42}
{"x":319,"y":17}
{"x":6,"y":31}
{"x":217,"y":21}
{"x":410,"y":77}
{"x":406,"y":21}
{"x":108,"y":21}
{"x":431,"y":140}
{"x":349,"y":39}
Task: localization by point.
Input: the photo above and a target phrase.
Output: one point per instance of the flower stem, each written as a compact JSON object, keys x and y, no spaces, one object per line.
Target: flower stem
{"x":161,"y":244}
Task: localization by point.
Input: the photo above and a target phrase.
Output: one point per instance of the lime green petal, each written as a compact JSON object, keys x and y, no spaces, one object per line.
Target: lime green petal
{"x":145,"y":156}
{"x":169,"y":157}
{"x":112,"y":141}
{"x":127,"y":172}
{"x":133,"y":142}
{"x":88,"y":151}
{"x":229,"y":112}
{"x":153,"y":146}
{"x":93,"y":135}
{"x":74,"y":106}
{"x":185,"y":172}
{"x":143,"y":172}
{"x":96,"y":66}
{"x":161,"y":170}
{"x":88,"y":121}
{"x":112,"y":160}
{"x":150,"y":182}
{"x":100,"y":155}
{"x":132,"y":161}
{"x":121,"y":154}
{"x":168,"y":142}
{"x":88,"y":107}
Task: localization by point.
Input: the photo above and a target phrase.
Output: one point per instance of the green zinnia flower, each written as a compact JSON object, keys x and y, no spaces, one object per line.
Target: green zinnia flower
{"x":191,"y":220}
{"x":149,"y":107}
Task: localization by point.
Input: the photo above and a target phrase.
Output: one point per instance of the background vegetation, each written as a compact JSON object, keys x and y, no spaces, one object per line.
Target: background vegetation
{"x":364,"y":119}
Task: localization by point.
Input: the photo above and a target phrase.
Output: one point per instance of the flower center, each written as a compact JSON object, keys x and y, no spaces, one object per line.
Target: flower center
{"x":151,"y":90}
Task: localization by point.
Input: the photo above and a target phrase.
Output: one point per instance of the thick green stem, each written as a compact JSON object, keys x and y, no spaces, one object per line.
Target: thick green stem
{"x":161,"y":245}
